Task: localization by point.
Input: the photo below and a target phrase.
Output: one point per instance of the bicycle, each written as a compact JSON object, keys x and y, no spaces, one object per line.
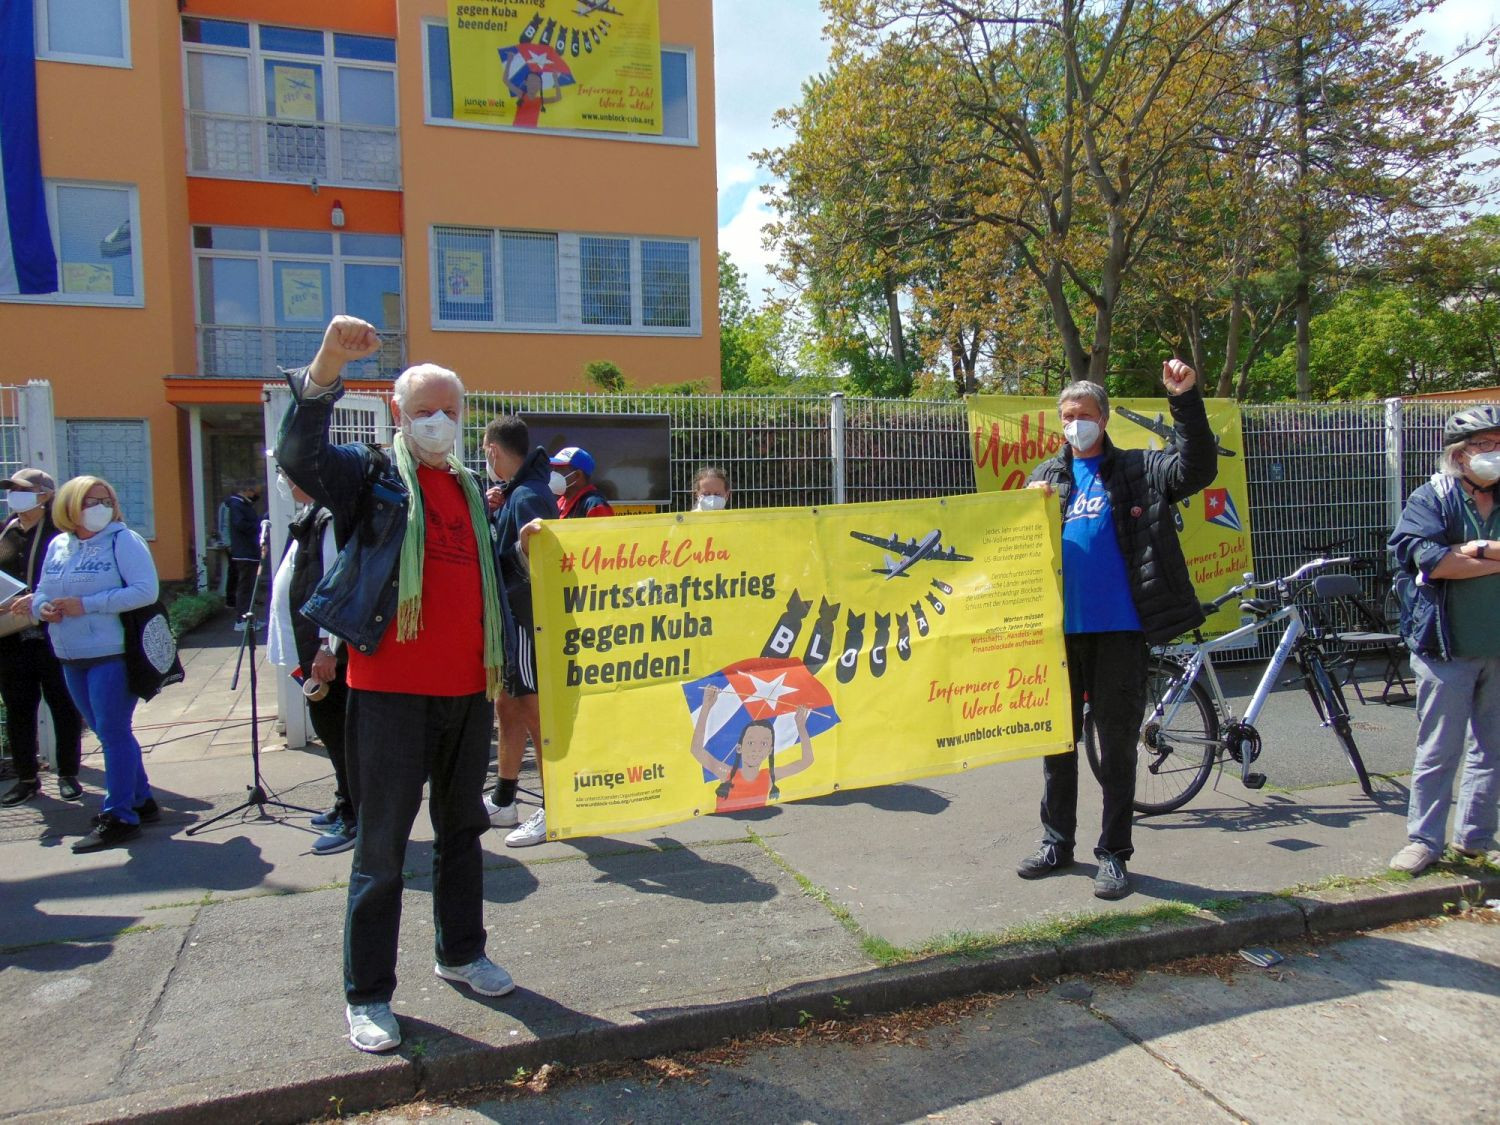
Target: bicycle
{"x":1189,"y":727}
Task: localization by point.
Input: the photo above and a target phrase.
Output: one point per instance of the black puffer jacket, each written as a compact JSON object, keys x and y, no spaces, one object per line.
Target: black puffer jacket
{"x":1143,"y":485}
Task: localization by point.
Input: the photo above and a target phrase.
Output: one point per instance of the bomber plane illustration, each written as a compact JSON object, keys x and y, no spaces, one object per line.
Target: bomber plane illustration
{"x":1162,"y":429}
{"x":911,"y":550}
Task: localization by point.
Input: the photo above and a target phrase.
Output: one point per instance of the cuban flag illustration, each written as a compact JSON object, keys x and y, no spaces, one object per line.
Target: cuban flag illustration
{"x":27,"y":261}
{"x":763,"y":688}
{"x":1218,"y":507}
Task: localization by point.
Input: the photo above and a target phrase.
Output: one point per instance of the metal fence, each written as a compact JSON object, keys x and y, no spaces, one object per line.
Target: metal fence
{"x":1321,"y":476}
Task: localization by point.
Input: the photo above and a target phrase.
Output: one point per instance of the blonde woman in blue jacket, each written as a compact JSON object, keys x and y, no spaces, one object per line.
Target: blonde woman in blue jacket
{"x":95,"y":572}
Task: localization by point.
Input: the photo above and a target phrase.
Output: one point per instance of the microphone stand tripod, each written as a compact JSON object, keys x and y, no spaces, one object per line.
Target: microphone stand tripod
{"x":259,"y":795}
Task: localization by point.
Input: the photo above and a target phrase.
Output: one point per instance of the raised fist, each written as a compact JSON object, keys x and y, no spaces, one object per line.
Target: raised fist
{"x":348,"y":338}
{"x":1177,"y":376}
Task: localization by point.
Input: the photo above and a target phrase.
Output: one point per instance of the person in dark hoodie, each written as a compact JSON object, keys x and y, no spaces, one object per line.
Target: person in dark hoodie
{"x":523,"y":473}
{"x":29,"y":669}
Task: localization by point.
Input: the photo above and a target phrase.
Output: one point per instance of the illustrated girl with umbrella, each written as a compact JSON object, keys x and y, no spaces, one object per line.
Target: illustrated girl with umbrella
{"x":747,"y":779}
{"x":534,"y":74}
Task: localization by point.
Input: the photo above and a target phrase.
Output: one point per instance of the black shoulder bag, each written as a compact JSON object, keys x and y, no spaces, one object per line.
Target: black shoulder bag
{"x":151,"y":660}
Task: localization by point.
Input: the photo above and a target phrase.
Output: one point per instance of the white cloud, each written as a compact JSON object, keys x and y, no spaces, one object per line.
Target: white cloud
{"x":764,"y":51}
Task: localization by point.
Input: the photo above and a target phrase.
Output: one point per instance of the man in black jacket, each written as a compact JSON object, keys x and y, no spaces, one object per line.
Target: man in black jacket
{"x":523,"y":473}
{"x":1125,"y":585}
{"x":244,"y":546}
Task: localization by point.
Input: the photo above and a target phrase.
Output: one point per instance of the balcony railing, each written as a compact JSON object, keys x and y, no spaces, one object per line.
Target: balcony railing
{"x":249,"y":351}
{"x":265,"y":148}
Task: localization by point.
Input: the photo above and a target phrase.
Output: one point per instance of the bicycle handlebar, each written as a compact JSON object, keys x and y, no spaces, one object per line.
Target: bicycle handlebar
{"x":1274,"y":584}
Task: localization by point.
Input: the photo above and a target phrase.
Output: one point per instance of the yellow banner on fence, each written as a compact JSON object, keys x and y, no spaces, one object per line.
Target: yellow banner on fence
{"x":1012,"y":435}
{"x":557,"y":64}
{"x":711,"y":662}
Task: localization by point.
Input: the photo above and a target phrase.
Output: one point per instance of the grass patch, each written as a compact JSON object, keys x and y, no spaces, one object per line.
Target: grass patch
{"x":186,"y":611}
{"x":96,"y":939}
{"x":817,"y":893}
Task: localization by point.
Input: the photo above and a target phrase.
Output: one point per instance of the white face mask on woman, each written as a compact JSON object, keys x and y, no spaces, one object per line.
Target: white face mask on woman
{"x":433,"y":435}
{"x":98,"y":517}
{"x":1485,"y":467}
{"x":19,"y":502}
{"x":712,"y":503}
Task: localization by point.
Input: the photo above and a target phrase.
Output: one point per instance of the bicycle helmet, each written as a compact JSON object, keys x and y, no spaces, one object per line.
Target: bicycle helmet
{"x":1466,"y":423}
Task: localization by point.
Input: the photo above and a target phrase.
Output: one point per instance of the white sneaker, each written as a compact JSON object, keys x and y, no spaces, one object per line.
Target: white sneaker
{"x":481,"y":974}
{"x":372,"y":1027}
{"x":534,"y":831}
{"x":501,"y":816}
{"x":1414,"y":859}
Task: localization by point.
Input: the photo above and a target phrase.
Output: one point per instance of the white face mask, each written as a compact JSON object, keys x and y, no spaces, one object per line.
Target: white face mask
{"x":1483,"y":467}
{"x":558,"y":483}
{"x":21,"y":501}
{"x":489,"y":471}
{"x":712,"y":503}
{"x":1082,"y":433}
{"x":98,"y":517}
{"x":433,"y":435}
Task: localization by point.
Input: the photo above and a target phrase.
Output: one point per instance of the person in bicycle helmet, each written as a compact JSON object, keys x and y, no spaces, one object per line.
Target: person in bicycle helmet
{"x":1125,"y":585}
{"x":1447,"y":547}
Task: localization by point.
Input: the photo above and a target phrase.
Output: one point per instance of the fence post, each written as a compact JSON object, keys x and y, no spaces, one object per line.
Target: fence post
{"x":1395,"y":475}
{"x":836,"y":451}
{"x":38,"y":430}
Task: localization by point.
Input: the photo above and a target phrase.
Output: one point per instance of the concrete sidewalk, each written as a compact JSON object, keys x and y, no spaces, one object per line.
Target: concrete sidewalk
{"x":195,"y":977}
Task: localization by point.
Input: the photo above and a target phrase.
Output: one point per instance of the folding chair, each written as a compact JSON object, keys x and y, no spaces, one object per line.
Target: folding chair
{"x":1365,"y":634}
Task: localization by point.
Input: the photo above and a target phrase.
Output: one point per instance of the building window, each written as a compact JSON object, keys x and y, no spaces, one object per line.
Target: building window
{"x":678,"y":119}
{"x":290,"y":104}
{"x":119,"y":450}
{"x":265,"y":296}
{"x":83,"y":31}
{"x":513,"y":280}
{"x":93,"y":229}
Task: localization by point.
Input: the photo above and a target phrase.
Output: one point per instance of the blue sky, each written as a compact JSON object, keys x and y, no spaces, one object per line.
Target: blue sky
{"x":764,"y":49}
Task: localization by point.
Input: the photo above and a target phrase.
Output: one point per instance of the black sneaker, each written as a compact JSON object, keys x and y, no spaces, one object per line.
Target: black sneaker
{"x":149,"y":812}
{"x":1111,"y":880}
{"x":21,"y":791}
{"x":1047,"y":859}
{"x":108,"y":831}
{"x":69,"y":789}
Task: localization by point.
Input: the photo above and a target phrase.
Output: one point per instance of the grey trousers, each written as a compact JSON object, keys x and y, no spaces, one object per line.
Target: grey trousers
{"x":1458,"y":723}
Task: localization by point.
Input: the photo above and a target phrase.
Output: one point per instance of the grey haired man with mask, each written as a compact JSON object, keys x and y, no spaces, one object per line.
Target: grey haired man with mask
{"x":1125,"y":585}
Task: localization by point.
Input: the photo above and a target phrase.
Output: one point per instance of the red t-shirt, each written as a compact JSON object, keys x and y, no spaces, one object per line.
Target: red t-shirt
{"x":746,"y":793}
{"x":446,"y":657}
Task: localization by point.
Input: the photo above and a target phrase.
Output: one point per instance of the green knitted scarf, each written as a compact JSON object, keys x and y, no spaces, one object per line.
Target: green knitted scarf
{"x":413,"y":551}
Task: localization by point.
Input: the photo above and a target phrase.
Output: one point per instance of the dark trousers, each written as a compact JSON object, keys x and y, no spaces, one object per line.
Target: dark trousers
{"x":29,"y":673}
{"x":242,"y":573}
{"x":329,"y":717}
{"x":396,"y":742}
{"x":1109,"y":669}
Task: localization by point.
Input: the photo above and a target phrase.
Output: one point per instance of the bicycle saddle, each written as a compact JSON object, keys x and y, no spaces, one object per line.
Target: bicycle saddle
{"x":1261,"y":607}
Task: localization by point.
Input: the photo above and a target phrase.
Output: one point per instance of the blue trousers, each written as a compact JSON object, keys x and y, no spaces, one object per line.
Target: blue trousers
{"x":396,"y":742}
{"x":100,"y":694}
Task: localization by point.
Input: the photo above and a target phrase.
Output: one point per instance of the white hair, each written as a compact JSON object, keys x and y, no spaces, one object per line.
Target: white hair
{"x":422,"y":373}
{"x":1082,"y":390}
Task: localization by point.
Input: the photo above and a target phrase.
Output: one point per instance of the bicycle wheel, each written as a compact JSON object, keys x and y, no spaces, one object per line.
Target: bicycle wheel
{"x":1328,"y":699}
{"x":1174,"y":756}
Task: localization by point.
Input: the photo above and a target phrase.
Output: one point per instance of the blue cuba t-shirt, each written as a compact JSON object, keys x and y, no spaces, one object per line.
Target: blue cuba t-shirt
{"x":1096,"y":587}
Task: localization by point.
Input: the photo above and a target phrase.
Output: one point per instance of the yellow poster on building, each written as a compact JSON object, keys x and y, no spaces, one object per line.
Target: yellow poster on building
{"x":302,"y":296}
{"x":296,"y":90}
{"x":1011,"y":435}
{"x":463,"y":276}
{"x":85,"y":277}
{"x":557,"y":64}
{"x":712,"y":662}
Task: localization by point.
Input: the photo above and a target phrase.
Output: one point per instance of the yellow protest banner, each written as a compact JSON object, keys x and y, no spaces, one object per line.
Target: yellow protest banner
{"x":296,"y":93}
{"x":709,"y":662}
{"x":557,"y":64}
{"x":1012,"y":434}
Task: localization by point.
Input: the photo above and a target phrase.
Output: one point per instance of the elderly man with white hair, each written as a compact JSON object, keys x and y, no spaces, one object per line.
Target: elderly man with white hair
{"x":417,"y":595}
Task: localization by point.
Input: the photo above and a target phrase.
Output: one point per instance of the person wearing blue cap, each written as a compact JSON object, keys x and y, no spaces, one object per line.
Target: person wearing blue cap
{"x":576,"y":496}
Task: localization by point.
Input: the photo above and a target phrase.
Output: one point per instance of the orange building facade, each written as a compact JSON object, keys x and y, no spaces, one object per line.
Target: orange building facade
{"x":224,"y":177}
